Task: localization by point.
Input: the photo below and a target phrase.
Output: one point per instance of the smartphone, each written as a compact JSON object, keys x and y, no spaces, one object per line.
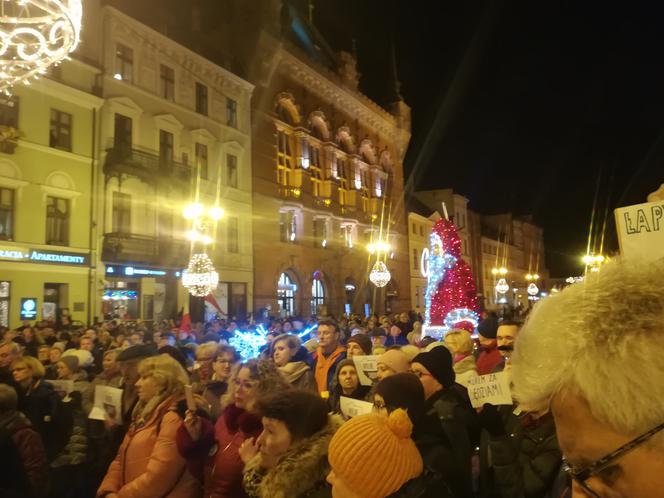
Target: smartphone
{"x":189,"y":395}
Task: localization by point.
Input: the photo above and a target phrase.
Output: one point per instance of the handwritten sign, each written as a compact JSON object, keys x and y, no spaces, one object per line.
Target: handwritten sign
{"x":641,"y":230}
{"x":353,"y":407}
{"x":493,"y":389}
{"x":367,"y":369}
{"x":108,"y":402}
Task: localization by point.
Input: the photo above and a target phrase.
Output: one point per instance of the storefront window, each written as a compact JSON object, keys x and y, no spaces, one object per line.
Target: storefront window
{"x":317,"y":296}
{"x":286,"y":290}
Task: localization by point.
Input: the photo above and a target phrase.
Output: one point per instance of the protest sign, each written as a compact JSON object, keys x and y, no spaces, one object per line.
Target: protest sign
{"x":367,"y":369}
{"x":108,"y":403}
{"x":353,"y":407}
{"x":493,"y":389}
{"x":641,"y":230}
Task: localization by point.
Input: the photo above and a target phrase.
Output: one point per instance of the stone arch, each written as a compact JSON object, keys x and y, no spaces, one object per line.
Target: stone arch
{"x":287,"y":109}
{"x":9,"y":169}
{"x":345,"y":140}
{"x":60,"y":179}
{"x":319,"y":125}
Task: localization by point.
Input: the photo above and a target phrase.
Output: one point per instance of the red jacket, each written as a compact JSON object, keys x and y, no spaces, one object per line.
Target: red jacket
{"x":488,"y":359}
{"x":219,"y":445}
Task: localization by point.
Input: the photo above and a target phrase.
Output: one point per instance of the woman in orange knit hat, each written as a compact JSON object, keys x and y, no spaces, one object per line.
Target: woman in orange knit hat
{"x":373,"y":456}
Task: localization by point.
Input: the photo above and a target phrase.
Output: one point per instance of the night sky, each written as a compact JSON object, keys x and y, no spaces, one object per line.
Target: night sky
{"x":521,"y":106}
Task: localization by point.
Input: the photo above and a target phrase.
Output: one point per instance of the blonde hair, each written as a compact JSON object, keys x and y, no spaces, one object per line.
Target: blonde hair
{"x":35,"y":366}
{"x":265,"y":372}
{"x":600,"y":339}
{"x":168,"y":373}
{"x":208,"y":347}
{"x":458,"y":341}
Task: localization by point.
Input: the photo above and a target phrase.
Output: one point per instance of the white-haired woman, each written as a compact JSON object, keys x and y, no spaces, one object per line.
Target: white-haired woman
{"x":148,"y":464}
{"x":290,"y":358}
{"x":461,"y":345}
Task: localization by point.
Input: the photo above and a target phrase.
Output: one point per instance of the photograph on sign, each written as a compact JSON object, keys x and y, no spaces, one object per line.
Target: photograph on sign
{"x":107,"y":404}
{"x":367,"y":369}
{"x":492,"y":389}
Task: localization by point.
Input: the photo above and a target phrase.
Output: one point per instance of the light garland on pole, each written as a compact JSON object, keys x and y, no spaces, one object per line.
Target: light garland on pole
{"x":200,"y":278}
{"x":34,"y":35}
{"x":380,"y":276}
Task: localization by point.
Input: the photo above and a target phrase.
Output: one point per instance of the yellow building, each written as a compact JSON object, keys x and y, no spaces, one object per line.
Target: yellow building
{"x":47,"y":165}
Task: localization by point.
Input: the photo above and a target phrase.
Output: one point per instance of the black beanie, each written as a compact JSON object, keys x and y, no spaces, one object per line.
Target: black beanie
{"x":488,"y":327}
{"x":363,"y":341}
{"x":438,"y":362}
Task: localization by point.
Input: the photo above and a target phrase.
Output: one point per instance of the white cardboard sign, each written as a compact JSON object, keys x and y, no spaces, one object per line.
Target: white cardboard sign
{"x":108,"y":403}
{"x":367,"y":369}
{"x":641,"y":230}
{"x":353,"y":407}
{"x":493,"y":389}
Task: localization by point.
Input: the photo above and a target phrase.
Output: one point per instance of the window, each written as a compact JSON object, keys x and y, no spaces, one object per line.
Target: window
{"x":286,"y":290}
{"x":342,"y":172}
{"x":201,"y":99}
{"x":347,"y":232}
{"x":421,"y":230}
{"x":284,"y":159}
{"x":167,"y":82}
{"x":57,"y":221}
{"x":417,"y":297}
{"x":317,"y":296}
{"x":123,"y":131}
{"x":9,"y":111}
{"x":6,"y":214}
{"x":202,"y":160}
{"x":231,"y":112}
{"x":320,"y":233}
{"x":414,"y":229}
{"x":231,"y":170}
{"x":124,"y":63}
{"x":121,"y":213}
{"x":60,"y":136}
{"x":232,"y":235}
{"x":165,"y":147}
{"x":315,"y":169}
{"x":416,"y":263}
{"x":288,"y":226}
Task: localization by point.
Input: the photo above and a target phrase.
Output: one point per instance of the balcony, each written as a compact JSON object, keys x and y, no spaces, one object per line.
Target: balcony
{"x":290,"y":192}
{"x":134,"y":248}
{"x":146,"y":165}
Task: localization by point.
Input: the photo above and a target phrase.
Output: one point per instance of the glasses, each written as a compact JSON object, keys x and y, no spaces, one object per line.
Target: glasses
{"x":582,"y":476}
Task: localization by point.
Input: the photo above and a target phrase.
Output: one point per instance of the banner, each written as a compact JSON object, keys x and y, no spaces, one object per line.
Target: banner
{"x":641,"y":230}
{"x":493,"y":389}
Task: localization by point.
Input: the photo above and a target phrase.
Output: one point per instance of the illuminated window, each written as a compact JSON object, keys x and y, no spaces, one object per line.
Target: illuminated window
{"x":286,"y":290}
{"x":288,"y":226}
{"x":342,"y":173}
{"x":124,"y":63}
{"x":284,"y":159}
{"x":317,"y":295}
{"x":315,"y":169}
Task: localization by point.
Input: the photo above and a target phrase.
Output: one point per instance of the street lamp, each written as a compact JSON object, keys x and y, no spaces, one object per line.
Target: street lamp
{"x":593,"y":261}
{"x":380,"y":276}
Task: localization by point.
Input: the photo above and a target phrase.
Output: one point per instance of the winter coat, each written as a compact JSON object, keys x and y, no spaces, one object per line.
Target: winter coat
{"x":148,"y":464}
{"x":526,"y":459}
{"x":218,"y":447}
{"x":326,"y":367}
{"x":212,"y":393}
{"x":23,"y":466}
{"x":427,"y":485}
{"x":299,"y":375}
{"x":102,"y":440}
{"x":299,"y":473}
{"x":75,"y":451}
{"x":488,"y":359}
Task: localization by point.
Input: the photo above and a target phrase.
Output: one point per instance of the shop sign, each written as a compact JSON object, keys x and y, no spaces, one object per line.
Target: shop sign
{"x":132,"y":271}
{"x":28,"y":308}
{"x":25,"y":255}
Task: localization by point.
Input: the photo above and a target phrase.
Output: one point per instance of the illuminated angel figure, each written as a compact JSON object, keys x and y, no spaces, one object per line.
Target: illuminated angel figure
{"x":451,"y":298}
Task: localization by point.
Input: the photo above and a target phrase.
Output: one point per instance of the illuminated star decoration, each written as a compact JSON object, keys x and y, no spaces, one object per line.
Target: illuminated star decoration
{"x":451,"y":297}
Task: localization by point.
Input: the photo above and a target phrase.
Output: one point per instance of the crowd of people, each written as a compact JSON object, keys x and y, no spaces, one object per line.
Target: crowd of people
{"x":198,"y":420}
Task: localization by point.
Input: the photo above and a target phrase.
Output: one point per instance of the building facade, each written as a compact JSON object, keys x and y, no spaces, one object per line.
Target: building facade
{"x":47,"y":174}
{"x":174,"y":129}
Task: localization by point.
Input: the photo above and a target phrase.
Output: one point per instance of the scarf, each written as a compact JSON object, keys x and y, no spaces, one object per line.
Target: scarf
{"x":293,"y":371}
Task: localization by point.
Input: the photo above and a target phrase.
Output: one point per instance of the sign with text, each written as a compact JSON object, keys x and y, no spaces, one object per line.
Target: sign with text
{"x":26,"y":255}
{"x":367,"y":369}
{"x":28,"y":308}
{"x":492,"y":389}
{"x":108,"y":404}
{"x":641,"y":230}
{"x":353,"y":407}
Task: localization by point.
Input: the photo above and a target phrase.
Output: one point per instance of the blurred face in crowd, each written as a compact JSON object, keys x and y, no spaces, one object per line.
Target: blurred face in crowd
{"x":156,"y":338}
{"x":328,"y":337}
{"x":403,"y":317}
{"x":505,"y":337}
{"x":166,"y":340}
{"x":109,"y":365}
{"x":147,"y":388}
{"x":287,"y":327}
{"x":28,"y":334}
{"x":275,"y":439}
{"x":378,"y":340}
{"x":222,"y":366}
{"x":6,"y":356}
{"x":584,"y":440}
{"x":22,"y":373}
{"x":384,"y":371}
{"x":429,"y":383}
{"x":43,"y":353}
{"x":135,"y":339}
{"x":339,"y":488}
{"x":91,"y":333}
{"x":354,"y":349}
{"x":63,"y":371}
{"x":183,"y":334}
{"x":395,"y":331}
{"x":379,"y":405}
{"x":246,"y":389}
{"x":86,"y":344}
{"x":129,"y":371}
{"x":205,"y":360}
{"x":348,"y":379}
{"x":120,"y":339}
{"x":282,"y":353}
{"x":54,"y":355}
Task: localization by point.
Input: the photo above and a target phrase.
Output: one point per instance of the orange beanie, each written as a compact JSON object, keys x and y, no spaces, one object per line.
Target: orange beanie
{"x":374,"y":455}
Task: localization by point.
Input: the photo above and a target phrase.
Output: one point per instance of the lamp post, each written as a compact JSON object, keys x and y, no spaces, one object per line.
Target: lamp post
{"x":593,"y":262}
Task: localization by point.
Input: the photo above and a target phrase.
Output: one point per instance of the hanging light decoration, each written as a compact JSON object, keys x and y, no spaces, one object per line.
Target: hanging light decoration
{"x":533,"y":290}
{"x":34,"y":35}
{"x":380,"y":276}
{"x":200,"y":278}
{"x":502,"y":287}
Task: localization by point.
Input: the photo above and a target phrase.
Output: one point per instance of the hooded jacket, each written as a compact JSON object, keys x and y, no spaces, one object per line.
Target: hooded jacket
{"x":299,"y":473}
{"x":148,"y":464}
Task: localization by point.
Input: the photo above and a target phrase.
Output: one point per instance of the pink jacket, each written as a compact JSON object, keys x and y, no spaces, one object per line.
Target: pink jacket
{"x":148,"y":464}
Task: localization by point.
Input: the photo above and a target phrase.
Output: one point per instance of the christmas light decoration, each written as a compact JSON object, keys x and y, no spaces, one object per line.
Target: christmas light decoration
{"x":380,"y":276}
{"x":533,"y":289}
{"x":248,"y":344}
{"x":200,"y":278}
{"x":450,"y":298}
{"x":307,"y":331}
{"x":34,"y":35}
{"x":502,"y":286}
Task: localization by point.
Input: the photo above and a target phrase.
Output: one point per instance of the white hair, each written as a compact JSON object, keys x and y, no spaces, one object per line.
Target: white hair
{"x":601,"y":339}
